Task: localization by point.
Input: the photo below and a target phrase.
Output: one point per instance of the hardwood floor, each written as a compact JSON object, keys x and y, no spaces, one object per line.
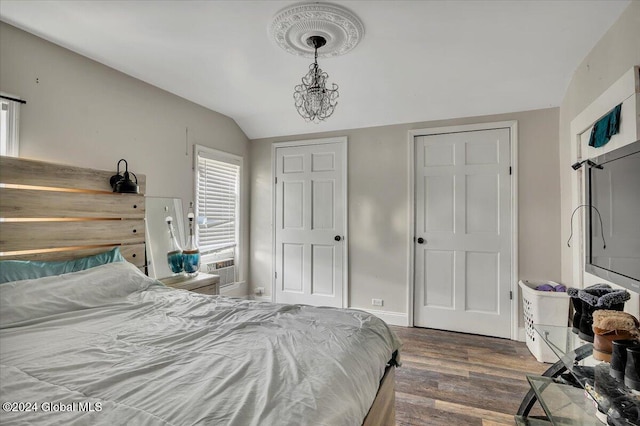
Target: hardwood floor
{"x":449,"y":378}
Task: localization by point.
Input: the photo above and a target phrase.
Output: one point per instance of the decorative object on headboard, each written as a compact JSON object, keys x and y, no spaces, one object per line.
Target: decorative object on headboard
{"x":58,"y":212}
{"x":123,"y":184}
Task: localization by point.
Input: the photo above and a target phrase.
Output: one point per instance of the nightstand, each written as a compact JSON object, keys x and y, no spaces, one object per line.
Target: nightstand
{"x":201,"y":283}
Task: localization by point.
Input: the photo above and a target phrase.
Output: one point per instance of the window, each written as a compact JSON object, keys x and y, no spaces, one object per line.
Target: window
{"x":217,"y":204}
{"x":9,"y":127}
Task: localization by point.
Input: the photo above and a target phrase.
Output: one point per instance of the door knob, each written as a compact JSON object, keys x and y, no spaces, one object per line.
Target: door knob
{"x":337,"y":238}
{"x":420,"y":240}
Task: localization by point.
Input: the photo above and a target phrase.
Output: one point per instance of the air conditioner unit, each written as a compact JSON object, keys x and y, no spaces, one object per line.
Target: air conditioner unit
{"x":225,"y":268}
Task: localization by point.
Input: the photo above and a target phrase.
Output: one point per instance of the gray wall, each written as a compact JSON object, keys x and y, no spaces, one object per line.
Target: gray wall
{"x":616,"y":52}
{"x":83,"y":113}
{"x":611,"y":57}
{"x":379,"y":201}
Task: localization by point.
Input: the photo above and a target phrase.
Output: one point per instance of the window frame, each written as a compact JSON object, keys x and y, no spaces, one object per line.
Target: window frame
{"x":228,"y":158}
{"x":12,"y":147}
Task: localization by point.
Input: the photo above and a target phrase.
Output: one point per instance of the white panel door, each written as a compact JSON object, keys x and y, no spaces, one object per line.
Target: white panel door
{"x":463,"y":232}
{"x":310,"y":224}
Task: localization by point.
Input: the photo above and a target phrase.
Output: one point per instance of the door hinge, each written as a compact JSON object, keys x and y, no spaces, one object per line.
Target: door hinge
{"x":276,"y":275}
{"x":276,"y":180}
{"x":510,"y":171}
{"x":510,"y":295}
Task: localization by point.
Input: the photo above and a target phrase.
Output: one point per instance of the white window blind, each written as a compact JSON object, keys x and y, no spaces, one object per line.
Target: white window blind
{"x":217,"y":194}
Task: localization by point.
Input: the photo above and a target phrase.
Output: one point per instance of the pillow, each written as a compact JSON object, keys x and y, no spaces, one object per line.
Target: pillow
{"x":16,"y":270}
{"x":33,"y":299}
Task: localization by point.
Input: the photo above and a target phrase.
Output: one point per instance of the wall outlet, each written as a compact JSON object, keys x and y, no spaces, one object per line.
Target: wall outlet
{"x":377,"y":302}
{"x":259,"y":291}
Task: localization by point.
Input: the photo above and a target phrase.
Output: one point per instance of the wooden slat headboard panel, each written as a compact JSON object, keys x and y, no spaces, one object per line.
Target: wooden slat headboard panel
{"x":21,"y":171}
{"x":58,"y":212}
{"x":20,"y":202}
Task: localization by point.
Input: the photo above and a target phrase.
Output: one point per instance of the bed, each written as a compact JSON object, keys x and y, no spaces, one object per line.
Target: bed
{"x":109,"y":345}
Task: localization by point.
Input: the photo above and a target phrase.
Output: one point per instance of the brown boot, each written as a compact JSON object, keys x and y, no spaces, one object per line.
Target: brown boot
{"x":609,"y":326}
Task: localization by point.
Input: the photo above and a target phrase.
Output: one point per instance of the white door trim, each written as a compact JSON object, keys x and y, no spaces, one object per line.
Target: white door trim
{"x":345,"y":256}
{"x":513,"y":133}
{"x":619,"y":92}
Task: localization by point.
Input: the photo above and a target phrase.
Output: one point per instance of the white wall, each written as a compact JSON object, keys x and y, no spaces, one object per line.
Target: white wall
{"x":83,"y":113}
{"x":379,"y":201}
{"x":611,"y":57}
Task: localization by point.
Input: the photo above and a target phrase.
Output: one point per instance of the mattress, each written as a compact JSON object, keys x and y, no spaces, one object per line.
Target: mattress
{"x":111,"y":346}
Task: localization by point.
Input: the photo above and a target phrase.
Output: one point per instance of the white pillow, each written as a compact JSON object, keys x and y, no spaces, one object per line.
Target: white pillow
{"x":28,"y":300}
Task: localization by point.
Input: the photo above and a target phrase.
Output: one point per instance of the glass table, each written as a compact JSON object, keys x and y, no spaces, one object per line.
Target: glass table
{"x":576,"y":390}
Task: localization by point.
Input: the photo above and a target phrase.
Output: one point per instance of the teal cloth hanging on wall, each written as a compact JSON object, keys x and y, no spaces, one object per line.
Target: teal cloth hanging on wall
{"x":606,"y":127}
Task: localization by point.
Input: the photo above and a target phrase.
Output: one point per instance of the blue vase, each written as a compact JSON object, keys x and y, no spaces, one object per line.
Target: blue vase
{"x":191,"y":261}
{"x":176,"y":262}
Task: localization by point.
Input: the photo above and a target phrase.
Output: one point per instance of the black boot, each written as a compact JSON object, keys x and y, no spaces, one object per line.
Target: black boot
{"x":632,"y":370}
{"x":585,"y":329}
{"x":598,"y":297}
{"x":577,"y":308}
{"x":577,"y":303}
{"x":619,"y":357}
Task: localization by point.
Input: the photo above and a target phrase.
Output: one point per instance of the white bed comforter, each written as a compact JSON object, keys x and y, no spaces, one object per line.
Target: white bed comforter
{"x":112,"y":346}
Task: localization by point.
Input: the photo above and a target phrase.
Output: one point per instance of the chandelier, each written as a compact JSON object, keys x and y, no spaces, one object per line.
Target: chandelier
{"x":313,"y":99}
{"x":304,"y":28}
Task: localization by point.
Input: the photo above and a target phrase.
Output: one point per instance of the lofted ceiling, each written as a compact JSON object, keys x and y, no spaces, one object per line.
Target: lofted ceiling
{"x":417,"y":61}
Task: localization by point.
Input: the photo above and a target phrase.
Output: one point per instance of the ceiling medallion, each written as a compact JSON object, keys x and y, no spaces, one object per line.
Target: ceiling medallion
{"x":294,"y":25}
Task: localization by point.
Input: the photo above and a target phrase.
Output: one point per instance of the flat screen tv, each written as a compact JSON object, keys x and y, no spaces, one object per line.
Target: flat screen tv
{"x":613,"y":216}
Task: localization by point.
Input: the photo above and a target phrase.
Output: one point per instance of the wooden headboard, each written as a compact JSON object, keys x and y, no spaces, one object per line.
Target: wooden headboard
{"x":56,"y":212}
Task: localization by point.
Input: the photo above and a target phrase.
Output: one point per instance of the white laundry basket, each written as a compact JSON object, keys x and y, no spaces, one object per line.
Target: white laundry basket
{"x":544,"y":308}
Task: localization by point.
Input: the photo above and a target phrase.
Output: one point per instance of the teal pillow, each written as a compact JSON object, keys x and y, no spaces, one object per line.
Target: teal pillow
{"x":16,"y":270}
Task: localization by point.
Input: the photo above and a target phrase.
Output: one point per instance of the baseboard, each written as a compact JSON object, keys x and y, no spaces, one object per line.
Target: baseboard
{"x":391,"y":318}
{"x":238,"y":289}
